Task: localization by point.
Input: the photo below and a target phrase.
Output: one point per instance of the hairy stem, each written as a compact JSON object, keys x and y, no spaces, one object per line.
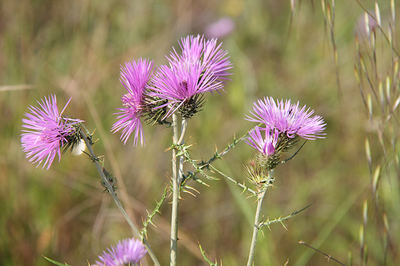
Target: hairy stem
{"x":175,"y":197}
{"x":113,"y":194}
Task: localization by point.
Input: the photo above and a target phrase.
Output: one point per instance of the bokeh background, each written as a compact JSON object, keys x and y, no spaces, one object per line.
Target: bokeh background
{"x":75,"y":49}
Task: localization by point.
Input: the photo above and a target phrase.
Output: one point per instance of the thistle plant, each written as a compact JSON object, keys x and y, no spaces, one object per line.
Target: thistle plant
{"x":169,"y":95}
{"x":282,"y":124}
{"x":201,"y":67}
{"x":46,"y":132}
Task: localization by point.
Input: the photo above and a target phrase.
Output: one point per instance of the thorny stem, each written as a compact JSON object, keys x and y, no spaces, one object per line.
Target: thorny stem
{"x":199,"y":167}
{"x":244,"y":187}
{"x":111,"y":190}
{"x":175,"y":197}
{"x":260,"y":199}
{"x":186,"y":156}
{"x":150,"y":215}
{"x":282,"y":219}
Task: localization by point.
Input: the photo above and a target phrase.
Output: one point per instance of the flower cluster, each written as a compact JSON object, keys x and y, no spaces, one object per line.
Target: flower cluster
{"x":282,"y":124}
{"x":202,"y":66}
{"x":126,"y":252}
{"x":45,"y":132}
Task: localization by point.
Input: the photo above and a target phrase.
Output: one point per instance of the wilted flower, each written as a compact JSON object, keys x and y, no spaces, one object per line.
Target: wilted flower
{"x":287,"y":118}
{"x":266,"y":145}
{"x":126,"y":252}
{"x":201,"y":67}
{"x":220,"y":28}
{"x":134,"y":77}
{"x":45,"y":131}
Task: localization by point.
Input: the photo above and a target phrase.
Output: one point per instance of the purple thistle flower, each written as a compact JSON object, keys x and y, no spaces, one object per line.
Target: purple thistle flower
{"x":288,"y":118}
{"x":266,"y":145}
{"x":126,"y":252}
{"x":201,"y":67}
{"x":205,"y":52}
{"x":134,"y":77}
{"x":45,"y":131}
{"x":179,"y":83}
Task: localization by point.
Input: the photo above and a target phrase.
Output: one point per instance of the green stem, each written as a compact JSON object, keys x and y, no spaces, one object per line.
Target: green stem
{"x":182,"y":157}
{"x":260,"y":199}
{"x":256,"y":227}
{"x":111,"y":190}
{"x":176,"y":177}
{"x":175,"y":197}
{"x":244,"y":187}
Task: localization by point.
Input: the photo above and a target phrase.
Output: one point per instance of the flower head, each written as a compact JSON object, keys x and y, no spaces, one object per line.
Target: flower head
{"x":220,"y":28}
{"x":134,"y":77}
{"x":267,"y":144}
{"x":45,"y":131}
{"x":201,"y":67}
{"x":288,"y":118}
{"x":126,"y":252}
{"x":182,"y":84}
{"x":209,"y":54}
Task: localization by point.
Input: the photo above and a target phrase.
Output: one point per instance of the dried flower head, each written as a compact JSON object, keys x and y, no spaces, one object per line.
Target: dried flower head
{"x":126,"y":252}
{"x":288,"y":118}
{"x":134,"y":77}
{"x":201,"y":67}
{"x":46,"y":132}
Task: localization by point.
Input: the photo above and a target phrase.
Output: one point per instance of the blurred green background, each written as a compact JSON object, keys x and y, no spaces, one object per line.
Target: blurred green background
{"x":75,"y":48}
